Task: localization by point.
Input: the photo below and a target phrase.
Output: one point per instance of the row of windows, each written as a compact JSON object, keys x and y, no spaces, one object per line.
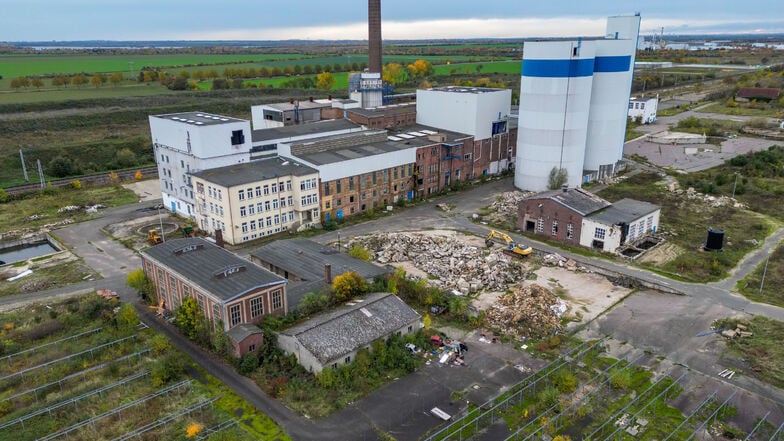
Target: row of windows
{"x":270,"y":220}
{"x":309,"y":200}
{"x":213,"y":192}
{"x":264,"y":190}
{"x":308,"y":184}
{"x":638,"y":106}
{"x":261,"y":207}
{"x":262,"y":233}
{"x":256,"y":308}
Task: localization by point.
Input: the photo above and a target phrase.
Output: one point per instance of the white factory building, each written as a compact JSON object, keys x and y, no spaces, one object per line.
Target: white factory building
{"x":188,"y":142}
{"x":574,"y":96}
{"x":643,"y":109}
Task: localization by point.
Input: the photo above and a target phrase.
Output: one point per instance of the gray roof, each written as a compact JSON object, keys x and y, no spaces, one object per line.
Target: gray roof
{"x":360,"y":150}
{"x":210,"y":267}
{"x":392,"y":109}
{"x":624,"y":211}
{"x":287,"y":106}
{"x":254,"y":171}
{"x":199,"y":118}
{"x":313,"y":128}
{"x":575,"y":199}
{"x":333,"y":334}
{"x":243,"y":331}
{"x":306,"y":259}
{"x":421,"y":128}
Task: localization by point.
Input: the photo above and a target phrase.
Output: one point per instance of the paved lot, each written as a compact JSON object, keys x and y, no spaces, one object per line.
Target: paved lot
{"x":675,"y":156}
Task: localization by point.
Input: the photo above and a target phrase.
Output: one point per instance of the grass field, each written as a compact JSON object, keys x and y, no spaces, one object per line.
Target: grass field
{"x":770,"y":291}
{"x":80,"y":366}
{"x":48,"y":275}
{"x":763,"y":352}
{"x":762,"y":111}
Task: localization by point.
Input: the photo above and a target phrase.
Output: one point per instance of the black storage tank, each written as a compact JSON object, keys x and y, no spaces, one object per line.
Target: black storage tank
{"x":715,"y":240}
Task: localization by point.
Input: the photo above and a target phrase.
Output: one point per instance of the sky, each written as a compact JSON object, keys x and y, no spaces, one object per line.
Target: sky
{"x":64,"y":20}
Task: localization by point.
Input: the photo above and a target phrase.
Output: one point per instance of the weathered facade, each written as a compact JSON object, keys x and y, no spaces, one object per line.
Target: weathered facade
{"x":333,"y":338}
{"x":229,"y":290}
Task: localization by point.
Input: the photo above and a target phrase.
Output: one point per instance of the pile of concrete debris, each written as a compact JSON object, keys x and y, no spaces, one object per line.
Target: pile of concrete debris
{"x":527,"y":312}
{"x":558,"y":260}
{"x":452,"y":263}
{"x":741,"y":330}
{"x":504,"y":208}
{"x":713,"y":201}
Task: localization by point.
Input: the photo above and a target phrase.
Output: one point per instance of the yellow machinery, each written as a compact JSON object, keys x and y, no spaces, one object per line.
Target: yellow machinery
{"x":153,"y":237}
{"x":511,"y":246}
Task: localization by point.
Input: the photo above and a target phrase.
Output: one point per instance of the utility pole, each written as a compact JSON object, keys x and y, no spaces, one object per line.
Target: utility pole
{"x":24,"y":167}
{"x":41,"y":174}
{"x":764,"y":271}
{"x":734,"y":186}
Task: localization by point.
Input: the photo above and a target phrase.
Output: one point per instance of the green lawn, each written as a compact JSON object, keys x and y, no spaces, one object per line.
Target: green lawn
{"x":764,"y":110}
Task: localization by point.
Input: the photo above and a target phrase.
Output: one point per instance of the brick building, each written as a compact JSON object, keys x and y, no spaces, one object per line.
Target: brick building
{"x":229,"y":289}
{"x":384,"y":117}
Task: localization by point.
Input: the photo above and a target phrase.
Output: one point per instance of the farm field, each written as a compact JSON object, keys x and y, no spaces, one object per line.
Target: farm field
{"x":88,"y":369}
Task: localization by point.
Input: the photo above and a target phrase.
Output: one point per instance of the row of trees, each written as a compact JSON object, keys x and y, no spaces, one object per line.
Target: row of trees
{"x":77,"y":80}
{"x":397,"y":74}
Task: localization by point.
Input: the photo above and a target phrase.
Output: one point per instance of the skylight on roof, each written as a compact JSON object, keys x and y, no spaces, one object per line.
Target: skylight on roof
{"x":429,"y":132}
{"x":405,"y":136}
{"x":416,"y":133}
{"x":394,"y":138}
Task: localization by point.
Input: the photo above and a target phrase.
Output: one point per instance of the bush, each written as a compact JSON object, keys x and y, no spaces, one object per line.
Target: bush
{"x":248,"y":363}
{"x":44,"y":330}
{"x":166,"y":370}
{"x":621,"y":380}
{"x":360,"y":252}
{"x":349,"y":285}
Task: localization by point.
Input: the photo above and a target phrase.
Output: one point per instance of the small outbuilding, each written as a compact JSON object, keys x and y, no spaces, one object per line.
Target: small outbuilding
{"x":333,"y":338}
{"x":245,"y":338}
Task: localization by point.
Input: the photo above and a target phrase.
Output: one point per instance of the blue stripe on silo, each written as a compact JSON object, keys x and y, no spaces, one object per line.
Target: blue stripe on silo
{"x":558,"y":68}
{"x":619,"y":63}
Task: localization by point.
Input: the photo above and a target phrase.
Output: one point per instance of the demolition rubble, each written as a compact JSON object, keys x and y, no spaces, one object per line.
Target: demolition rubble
{"x":452,"y":263}
{"x":531,"y":311}
{"x":504,"y":208}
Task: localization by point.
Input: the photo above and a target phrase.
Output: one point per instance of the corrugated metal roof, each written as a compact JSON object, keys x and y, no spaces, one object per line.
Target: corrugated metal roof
{"x":624,"y":211}
{"x":575,"y":199}
{"x":255,"y":171}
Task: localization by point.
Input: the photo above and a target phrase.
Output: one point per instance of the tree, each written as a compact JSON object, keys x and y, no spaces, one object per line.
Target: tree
{"x":276,"y":71}
{"x":184,"y":74}
{"x":37,"y":83}
{"x":248,"y":363}
{"x":97,"y":79}
{"x":288,"y":71}
{"x":427,"y":321}
{"x":557,"y":178}
{"x":61,"y":167}
{"x":138,"y":175}
{"x":348,"y":285}
{"x":394,"y":73}
{"x":116,"y":78}
{"x":308,"y":69}
{"x":60,"y":80}
{"x":127,"y":319}
{"x":325,"y":81}
{"x":237,"y":83}
{"x":4,"y":196}
{"x":79,"y":80}
{"x":317,"y":68}
{"x":297,"y":69}
{"x":142,"y":284}
{"x":125,"y":157}
{"x":189,"y":317}
{"x":219,"y":84}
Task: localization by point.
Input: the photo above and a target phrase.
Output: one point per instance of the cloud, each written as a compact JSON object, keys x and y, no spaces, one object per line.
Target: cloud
{"x":480,"y":28}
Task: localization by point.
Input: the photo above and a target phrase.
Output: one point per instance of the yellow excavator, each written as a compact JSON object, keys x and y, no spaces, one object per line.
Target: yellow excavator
{"x":512,"y":247}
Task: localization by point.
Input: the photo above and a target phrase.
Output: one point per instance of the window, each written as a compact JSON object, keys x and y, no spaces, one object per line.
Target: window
{"x":347,"y":360}
{"x":252,"y":225}
{"x":269,"y":221}
{"x":242,"y":195}
{"x":351,"y":199}
{"x":249,"y":191}
{"x":256,"y":307}
{"x":338,"y":186}
{"x":277,"y":219}
{"x":244,"y":227}
{"x":326,"y":189}
{"x":235,"y":315}
{"x":373,"y":175}
{"x":642,"y":106}
{"x":599,"y":233}
{"x":540,"y":225}
{"x":258,"y":192}
{"x":200,"y":301}
{"x":243,"y":211}
{"x":350,"y":182}
{"x":217,"y":315}
{"x":410,"y":328}
{"x":288,"y":185}
{"x":251,"y":209}
{"x":282,"y":202}
{"x":569,"y":231}
{"x":259,"y":207}
{"x":266,"y":189}
{"x":274,"y":188}
{"x":277,"y":300}
{"x":251,"y":348}
{"x":274,"y":204}
{"x":631,"y":105}
{"x":554,"y":229}
{"x":467,"y":157}
{"x":632,"y":231}
{"x":649,"y":224}
{"x":220,"y":195}
{"x":291,"y":216}
{"x":266,"y":206}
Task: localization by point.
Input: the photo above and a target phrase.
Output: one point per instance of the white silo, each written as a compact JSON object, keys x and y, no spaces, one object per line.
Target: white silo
{"x":612,"y":81}
{"x":555,"y":96}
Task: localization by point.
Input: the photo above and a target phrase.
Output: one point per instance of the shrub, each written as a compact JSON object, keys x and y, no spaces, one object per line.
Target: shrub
{"x":348,"y":285}
{"x":76,"y":184}
{"x":360,"y":252}
{"x":166,"y":370}
{"x":248,"y":363}
{"x":44,"y":330}
{"x":621,"y":380}
{"x":160,"y":344}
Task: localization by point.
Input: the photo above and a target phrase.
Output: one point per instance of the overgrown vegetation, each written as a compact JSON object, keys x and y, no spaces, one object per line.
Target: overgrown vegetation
{"x":768,"y":290}
{"x":762,"y":354}
{"x":685,"y":222}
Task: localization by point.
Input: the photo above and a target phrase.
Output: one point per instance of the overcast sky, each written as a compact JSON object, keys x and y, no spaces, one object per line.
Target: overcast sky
{"x":44,"y":20}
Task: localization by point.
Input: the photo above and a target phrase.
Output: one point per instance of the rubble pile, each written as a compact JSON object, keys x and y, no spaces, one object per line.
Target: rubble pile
{"x":526,"y":312}
{"x":558,"y":260}
{"x":741,"y":330}
{"x":505,"y":206}
{"x":712,"y":201}
{"x":454,"y":264}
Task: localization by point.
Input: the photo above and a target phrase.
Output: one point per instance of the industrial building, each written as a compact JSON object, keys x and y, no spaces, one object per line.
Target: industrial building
{"x":574,"y":96}
{"x":256,"y":199}
{"x":333,"y":338}
{"x":228,"y":289}
{"x":575,"y":216}
{"x":266,"y":116}
{"x":188,"y":142}
{"x":643,"y":110}
{"x":309,"y":266}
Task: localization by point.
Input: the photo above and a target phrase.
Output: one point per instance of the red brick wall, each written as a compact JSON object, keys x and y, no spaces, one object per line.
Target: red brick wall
{"x":529,"y":210}
{"x":243,"y":347}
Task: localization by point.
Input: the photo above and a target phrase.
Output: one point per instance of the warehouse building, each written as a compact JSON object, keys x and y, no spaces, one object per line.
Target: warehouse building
{"x":574,"y":96}
{"x":229,"y":289}
{"x":333,"y":338}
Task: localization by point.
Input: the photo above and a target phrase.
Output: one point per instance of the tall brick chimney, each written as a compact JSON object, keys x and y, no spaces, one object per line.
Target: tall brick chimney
{"x":374,"y":36}
{"x":328,"y":274}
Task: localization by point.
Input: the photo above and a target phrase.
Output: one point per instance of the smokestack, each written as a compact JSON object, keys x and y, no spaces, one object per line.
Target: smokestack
{"x":374,"y":36}
{"x":328,"y":274}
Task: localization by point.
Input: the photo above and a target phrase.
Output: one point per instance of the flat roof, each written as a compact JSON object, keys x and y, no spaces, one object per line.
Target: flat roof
{"x":360,"y":149}
{"x":254,"y":171}
{"x":624,"y":211}
{"x":199,"y":118}
{"x":642,"y":99}
{"x":303,"y":105}
{"x":212,"y":268}
{"x":465,"y":89}
{"x":313,"y":128}
{"x":392,"y":109}
{"x":427,"y":130}
{"x":575,"y":199}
